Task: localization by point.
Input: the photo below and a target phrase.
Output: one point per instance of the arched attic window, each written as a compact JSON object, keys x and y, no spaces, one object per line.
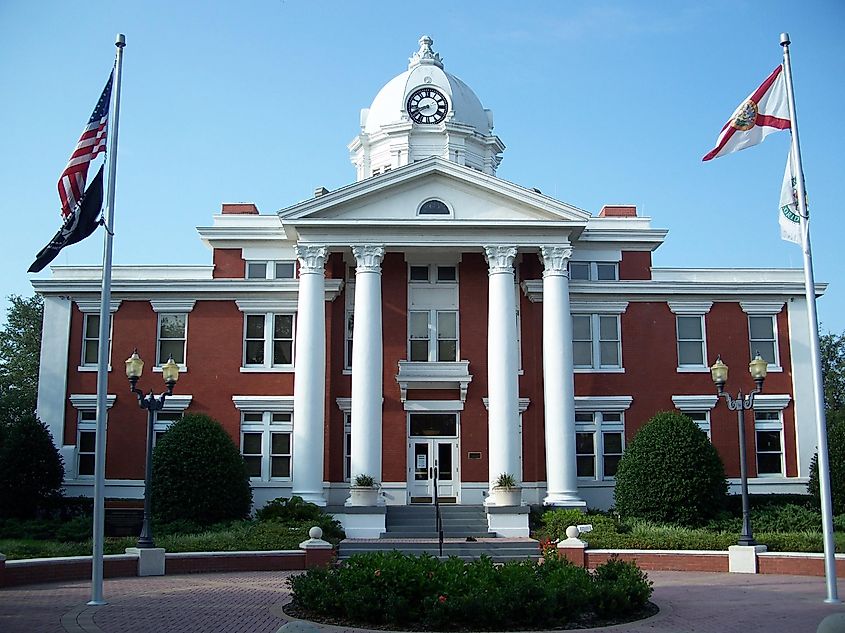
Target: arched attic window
{"x":434,"y":207}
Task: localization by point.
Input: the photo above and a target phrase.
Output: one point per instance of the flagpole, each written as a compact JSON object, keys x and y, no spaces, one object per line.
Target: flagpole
{"x":103,"y":349}
{"x":815,"y":353}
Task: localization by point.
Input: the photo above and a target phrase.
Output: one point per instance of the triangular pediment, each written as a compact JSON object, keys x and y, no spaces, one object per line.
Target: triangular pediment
{"x":471,"y":197}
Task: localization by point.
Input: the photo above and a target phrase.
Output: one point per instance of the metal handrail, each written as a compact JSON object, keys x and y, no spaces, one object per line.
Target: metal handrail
{"x":438,"y":519}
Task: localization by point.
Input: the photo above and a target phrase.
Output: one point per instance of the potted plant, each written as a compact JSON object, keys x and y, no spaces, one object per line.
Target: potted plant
{"x":506,"y":491}
{"x":363,"y":491}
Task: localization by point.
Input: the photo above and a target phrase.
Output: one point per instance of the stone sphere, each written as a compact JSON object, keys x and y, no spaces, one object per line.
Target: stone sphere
{"x":315,"y":532}
{"x":834,"y":623}
{"x":572,"y":532}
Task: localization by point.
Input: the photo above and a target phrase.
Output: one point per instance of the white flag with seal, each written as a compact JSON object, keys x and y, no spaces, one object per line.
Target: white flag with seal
{"x":790,"y":222}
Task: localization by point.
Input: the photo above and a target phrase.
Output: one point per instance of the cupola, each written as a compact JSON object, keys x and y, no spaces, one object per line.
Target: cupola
{"x":425,"y":111}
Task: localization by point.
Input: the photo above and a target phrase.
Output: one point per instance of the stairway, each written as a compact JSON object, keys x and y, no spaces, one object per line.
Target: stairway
{"x":412,"y":530}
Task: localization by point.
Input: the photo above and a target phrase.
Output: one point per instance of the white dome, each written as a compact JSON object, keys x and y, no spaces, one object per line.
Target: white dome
{"x":426,"y":69}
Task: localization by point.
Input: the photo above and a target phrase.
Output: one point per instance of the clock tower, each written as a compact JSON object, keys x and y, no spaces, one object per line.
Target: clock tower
{"x":424,"y":112}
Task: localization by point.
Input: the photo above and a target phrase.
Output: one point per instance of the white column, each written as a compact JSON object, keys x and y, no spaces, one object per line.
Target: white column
{"x":52,"y":372}
{"x":367,"y":363}
{"x":309,"y":386}
{"x":558,"y":381}
{"x":504,"y":446}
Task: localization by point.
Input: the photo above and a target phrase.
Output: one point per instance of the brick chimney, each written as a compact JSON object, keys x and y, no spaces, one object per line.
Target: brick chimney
{"x":239,"y":208}
{"x":618,"y":211}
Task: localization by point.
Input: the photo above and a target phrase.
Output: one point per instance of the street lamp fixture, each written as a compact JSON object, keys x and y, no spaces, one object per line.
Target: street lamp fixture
{"x":719,"y":373}
{"x":152,"y":403}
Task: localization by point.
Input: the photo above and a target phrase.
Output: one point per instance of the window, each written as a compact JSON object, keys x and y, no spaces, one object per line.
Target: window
{"x":266,"y":444}
{"x":347,"y":446}
{"x":163,"y":421}
{"x":425,"y":274}
{"x":702,"y":419}
{"x":768,"y":428}
{"x":91,"y":338}
{"x":691,"y":350}
{"x":599,"y":443}
{"x":419,"y":273}
{"x":593,"y":271}
{"x":596,"y":352}
{"x":282,"y":269}
{"x":268,"y":340}
{"x":86,"y":443}
{"x":762,"y":338}
{"x":433,"y":207}
{"x":433,"y":335}
{"x":172,"y":336}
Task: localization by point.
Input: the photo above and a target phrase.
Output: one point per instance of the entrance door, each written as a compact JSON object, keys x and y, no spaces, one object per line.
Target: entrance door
{"x":432,"y":463}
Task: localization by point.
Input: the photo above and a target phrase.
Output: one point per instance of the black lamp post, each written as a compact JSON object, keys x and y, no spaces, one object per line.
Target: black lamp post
{"x":170,"y":373}
{"x":719,"y":373}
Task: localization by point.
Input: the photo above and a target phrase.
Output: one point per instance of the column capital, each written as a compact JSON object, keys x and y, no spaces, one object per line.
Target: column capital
{"x":500,"y":258}
{"x":312,"y":258}
{"x":368,"y":258}
{"x":555,"y":259}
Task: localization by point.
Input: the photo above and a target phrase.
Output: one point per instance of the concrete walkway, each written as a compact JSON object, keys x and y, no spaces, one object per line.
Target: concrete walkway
{"x":251,"y":602}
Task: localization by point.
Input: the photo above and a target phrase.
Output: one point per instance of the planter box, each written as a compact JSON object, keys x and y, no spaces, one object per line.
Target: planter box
{"x":506,"y":496}
{"x":363,"y":496}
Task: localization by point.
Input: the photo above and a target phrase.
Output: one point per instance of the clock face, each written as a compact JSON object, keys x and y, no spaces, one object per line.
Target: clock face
{"x":427,"y":105}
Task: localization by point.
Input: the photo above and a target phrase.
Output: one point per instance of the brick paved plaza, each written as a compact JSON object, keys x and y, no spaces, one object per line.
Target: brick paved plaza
{"x":250,"y":602}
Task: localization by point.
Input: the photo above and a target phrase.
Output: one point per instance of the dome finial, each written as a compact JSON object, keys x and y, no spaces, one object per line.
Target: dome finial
{"x":425,"y":55}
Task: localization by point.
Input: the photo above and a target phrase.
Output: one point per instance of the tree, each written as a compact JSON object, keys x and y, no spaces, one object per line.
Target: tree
{"x":671,"y":473}
{"x":20,"y":352}
{"x":832,"y":348}
{"x":836,"y":460}
{"x":31,"y":469}
{"x":199,"y":474}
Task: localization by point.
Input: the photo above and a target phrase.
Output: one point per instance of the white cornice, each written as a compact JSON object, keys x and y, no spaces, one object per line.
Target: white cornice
{"x":254,"y":404}
{"x":172,"y":305}
{"x":694,"y":403}
{"x":93,"y":305}
{"x":88,"y":401}
{"x":762,"y":307}
{"x":178,"y":402}
{"x":523,"y":403}
{"x":603,"y":403}
{"x":690,"y":307}
{"x":595,"y":307}
{"x":266,"y":305}
{"x":771,"y":401}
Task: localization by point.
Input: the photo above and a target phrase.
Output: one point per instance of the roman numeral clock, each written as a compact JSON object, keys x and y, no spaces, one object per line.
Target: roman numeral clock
{"x":427,"y":105}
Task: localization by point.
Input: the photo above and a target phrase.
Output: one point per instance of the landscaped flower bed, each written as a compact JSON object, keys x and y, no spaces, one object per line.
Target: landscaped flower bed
{"x":424,"y":593}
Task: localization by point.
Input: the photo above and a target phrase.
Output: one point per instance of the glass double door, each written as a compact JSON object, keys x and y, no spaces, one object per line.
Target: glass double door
{"x":433,"y":467}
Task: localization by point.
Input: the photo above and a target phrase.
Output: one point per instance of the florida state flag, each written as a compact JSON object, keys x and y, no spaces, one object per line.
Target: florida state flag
{"x":766,"y":110}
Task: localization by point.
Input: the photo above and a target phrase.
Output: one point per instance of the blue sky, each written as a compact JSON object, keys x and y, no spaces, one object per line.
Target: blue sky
{"x":597,"y":102}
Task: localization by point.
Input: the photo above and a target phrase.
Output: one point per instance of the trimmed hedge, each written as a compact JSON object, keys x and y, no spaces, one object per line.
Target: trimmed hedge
{"x":199,"y":474}
{"x":671,"y":473}
{"x":423,"y":593}
{"x":295,"y":512}
{"x":836,"y":457}
{"x":31,"y":469}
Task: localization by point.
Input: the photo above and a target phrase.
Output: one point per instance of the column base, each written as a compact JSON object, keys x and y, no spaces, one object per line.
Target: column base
{"x":564,"y":500}
{"x":151,"y":561}
{"x":316,"y":498}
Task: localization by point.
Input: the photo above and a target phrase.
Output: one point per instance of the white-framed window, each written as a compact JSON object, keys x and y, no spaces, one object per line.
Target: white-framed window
{"x":271,"y":269}
{"x":596,"y":341}
{"x":593,"y":271}
{"x":347,"y":445}
{"x":172,"y":337}
{"x":762,"y":338}
{"x":692,"y":351}
{"x":599,"y":443}
{"x":434,"y":207}
{"x":268,"y":340}
{"x":432,"y":273}
{"x":86,"y":442}
{"x":266,"y":444}
{"x":433,"y":335}
{"x":162,"y":423}
{"x":349,"y":322}
{"x":91,"y":338}
{"x":702,"y":419}
{"x":697,"y":408}
{"x":768,"y":432}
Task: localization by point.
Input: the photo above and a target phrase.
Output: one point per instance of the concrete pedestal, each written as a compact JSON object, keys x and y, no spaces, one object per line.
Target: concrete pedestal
{"x":742,"y":559}
{"x":508,"y":521}
{"x":150,"y":560}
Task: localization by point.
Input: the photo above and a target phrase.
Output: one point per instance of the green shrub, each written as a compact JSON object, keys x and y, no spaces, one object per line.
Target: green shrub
{"x":389,"y":589}
{"x":621,"y":588}
{"x":555,"y":522}
{"x":836,"y":459}
{"x":199,"y":474}
{"x":295,"y":511}
{"x":671,"y":473}
{"x":31,"y":469}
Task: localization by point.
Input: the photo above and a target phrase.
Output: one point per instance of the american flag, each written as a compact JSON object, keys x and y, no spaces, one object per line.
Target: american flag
{"x":91,"y":143}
